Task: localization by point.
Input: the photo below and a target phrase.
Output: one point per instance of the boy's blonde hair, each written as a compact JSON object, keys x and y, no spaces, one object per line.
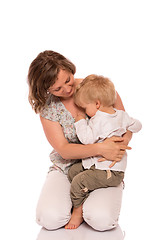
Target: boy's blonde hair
{"x":95,"y":88}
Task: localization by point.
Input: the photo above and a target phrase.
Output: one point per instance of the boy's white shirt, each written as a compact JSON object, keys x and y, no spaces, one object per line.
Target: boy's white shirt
{"x":101,"y":126}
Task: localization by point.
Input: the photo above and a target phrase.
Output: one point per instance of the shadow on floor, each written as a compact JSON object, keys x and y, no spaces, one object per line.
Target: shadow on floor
{"x":84,"y":232}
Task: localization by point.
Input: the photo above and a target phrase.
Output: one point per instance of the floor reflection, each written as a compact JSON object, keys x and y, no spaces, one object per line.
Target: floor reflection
{"x":84,"y":232}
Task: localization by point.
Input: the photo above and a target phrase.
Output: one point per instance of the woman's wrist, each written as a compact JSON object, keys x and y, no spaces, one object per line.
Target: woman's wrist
{"x":99,"y":149}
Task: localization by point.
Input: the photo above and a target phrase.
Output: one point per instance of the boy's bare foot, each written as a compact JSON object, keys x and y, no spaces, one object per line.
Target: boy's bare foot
{"x":76,"y":219}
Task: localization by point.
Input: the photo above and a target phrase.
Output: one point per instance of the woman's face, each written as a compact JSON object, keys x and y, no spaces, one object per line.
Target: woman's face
{"x":64,"y":85}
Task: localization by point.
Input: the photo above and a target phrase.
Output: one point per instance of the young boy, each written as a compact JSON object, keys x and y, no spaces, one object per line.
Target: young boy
{"x":96,"y":95}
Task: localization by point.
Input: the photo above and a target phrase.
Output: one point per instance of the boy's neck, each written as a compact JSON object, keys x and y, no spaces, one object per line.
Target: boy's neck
{"x":109,"y":110}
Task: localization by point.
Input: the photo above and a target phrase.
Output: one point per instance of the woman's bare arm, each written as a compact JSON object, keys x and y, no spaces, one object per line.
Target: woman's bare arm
{"x":56,"y":138}
{"x":118,"y":104}
{"x":108,"y":149}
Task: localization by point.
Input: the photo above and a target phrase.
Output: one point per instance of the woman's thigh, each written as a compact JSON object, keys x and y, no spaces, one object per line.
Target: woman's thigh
{"x":54,"y":205}
{"x":102,"y":208}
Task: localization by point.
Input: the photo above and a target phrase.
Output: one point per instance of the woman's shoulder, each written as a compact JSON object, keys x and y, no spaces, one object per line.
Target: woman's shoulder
{"x":49,"y":111}
{"x":78,"y":80}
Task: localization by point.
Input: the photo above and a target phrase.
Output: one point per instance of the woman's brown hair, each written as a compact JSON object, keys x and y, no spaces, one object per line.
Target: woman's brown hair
{"x":43,"y":73}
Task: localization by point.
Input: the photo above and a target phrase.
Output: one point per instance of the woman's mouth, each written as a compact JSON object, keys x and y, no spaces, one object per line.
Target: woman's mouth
{"x":70,"y":91}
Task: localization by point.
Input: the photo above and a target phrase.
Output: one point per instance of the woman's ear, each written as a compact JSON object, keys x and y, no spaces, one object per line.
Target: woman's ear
{"x":98,"y":104}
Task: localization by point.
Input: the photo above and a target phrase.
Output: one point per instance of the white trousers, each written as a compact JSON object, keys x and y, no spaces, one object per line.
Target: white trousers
{"x":101,"y":209}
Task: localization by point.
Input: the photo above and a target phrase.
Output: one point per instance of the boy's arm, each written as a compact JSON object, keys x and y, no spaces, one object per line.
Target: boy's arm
{"x":119,"y":105}
{"x":84,"y":131}
{"x":134,"y":125}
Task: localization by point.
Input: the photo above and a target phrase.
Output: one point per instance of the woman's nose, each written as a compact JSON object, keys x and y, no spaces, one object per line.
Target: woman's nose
{"x":67,"y":89}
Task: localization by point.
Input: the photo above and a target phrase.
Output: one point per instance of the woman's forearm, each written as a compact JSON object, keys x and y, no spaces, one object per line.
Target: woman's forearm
{"x":79,"y":151}
{"x":110,"y":149}
{"x":56,"y":138}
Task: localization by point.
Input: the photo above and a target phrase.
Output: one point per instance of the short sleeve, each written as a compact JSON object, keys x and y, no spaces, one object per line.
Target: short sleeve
{"x":50,"y":111}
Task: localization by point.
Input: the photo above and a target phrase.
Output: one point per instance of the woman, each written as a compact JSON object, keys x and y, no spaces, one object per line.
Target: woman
{"x":51,"y":87}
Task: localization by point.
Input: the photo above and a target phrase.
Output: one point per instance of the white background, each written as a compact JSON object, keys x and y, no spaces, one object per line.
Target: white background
{"x":119,"y":39}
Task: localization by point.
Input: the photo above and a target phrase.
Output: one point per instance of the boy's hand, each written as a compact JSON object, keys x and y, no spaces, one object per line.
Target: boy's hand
{"x":79,"y":117}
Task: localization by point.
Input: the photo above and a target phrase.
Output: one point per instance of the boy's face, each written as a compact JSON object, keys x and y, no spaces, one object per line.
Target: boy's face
{"x":90,"y":108}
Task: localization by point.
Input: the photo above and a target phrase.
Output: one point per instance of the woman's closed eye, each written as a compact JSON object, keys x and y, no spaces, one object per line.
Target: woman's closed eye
{"x":68,"y":80}
{"x":59,"y":88}
{"x":56,"y":90}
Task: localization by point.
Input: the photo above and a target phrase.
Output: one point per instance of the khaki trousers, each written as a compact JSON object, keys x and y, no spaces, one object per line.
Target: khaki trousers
{"x":83,"y":181}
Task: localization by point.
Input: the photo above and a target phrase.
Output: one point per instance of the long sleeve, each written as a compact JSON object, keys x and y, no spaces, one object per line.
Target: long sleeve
{"x":101,"y":126}
{"x":84,"y":132}
{"x":133,"y":125}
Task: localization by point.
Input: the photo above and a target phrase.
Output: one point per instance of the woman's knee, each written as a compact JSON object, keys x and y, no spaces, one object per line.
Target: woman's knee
{"x":102,"y":208}
{"x":54,"y":205}
{"x":100,"y":220}
{"x":52,"y":218}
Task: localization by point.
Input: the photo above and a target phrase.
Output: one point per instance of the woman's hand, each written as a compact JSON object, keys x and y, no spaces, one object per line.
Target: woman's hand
{"x":127,"y":137}
{"x":113,"y":149}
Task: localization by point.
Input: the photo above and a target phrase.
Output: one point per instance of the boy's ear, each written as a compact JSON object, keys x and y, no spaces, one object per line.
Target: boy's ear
{"x":98,"y":104}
